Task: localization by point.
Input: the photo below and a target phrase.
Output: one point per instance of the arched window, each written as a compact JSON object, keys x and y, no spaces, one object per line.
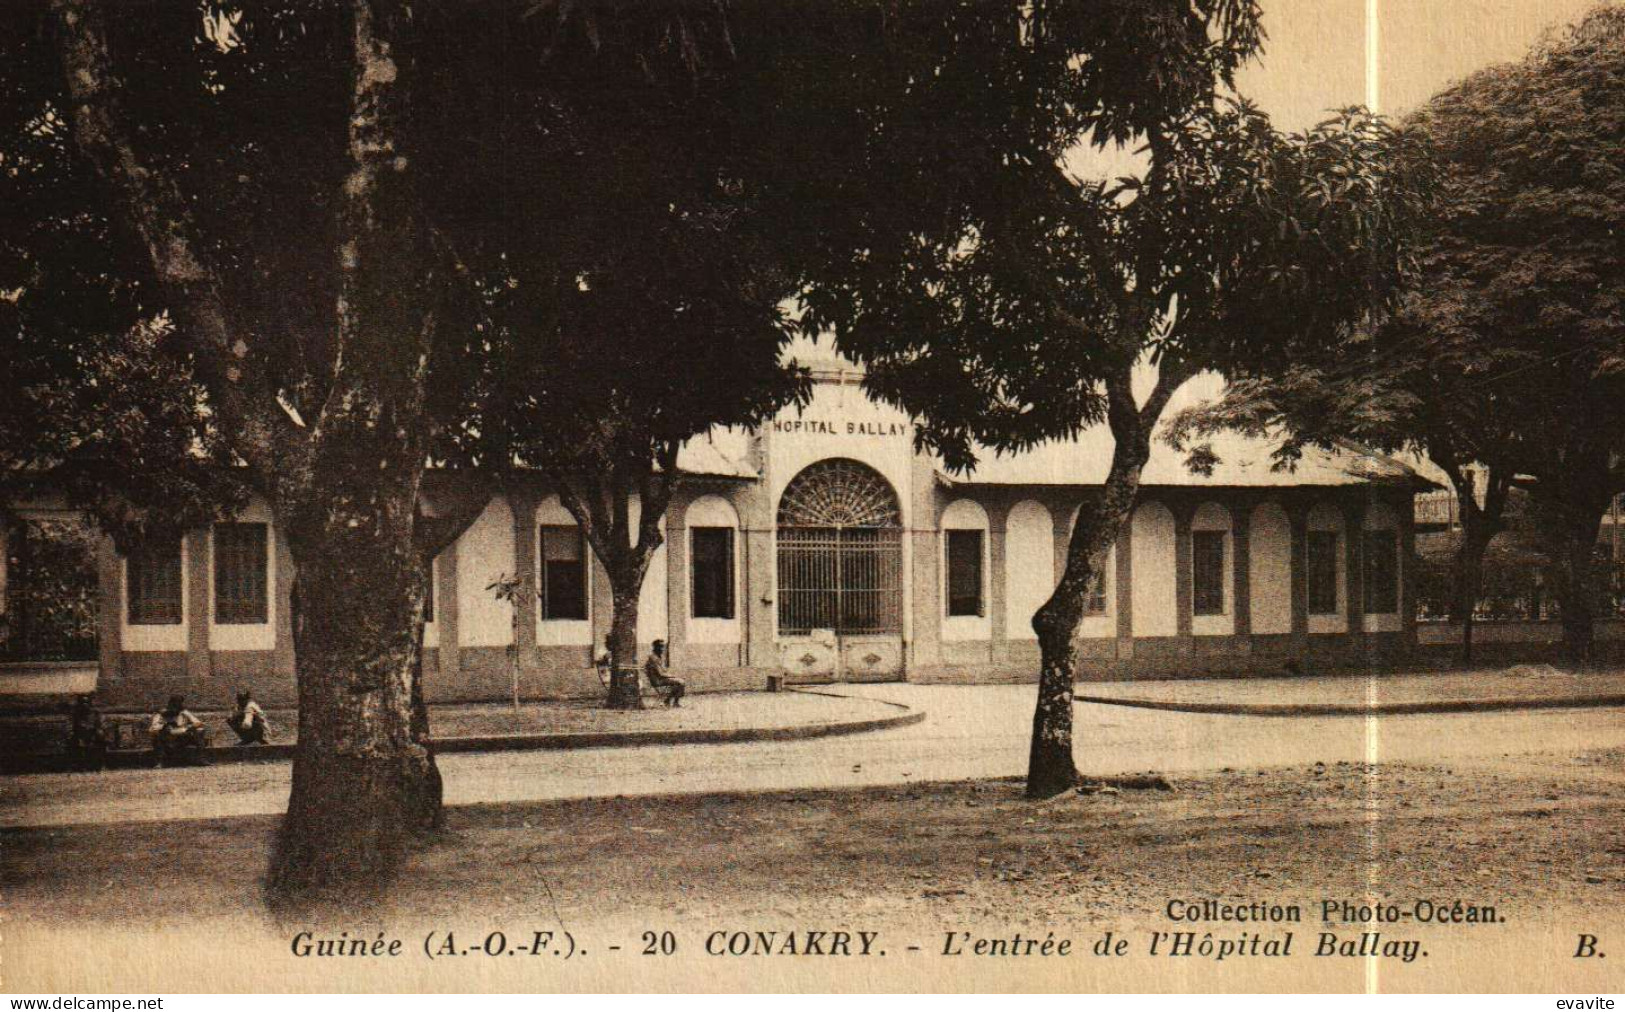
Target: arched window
{"x":562,"y":579}
{"x":964,"y":560}
{"x":713,"y":565}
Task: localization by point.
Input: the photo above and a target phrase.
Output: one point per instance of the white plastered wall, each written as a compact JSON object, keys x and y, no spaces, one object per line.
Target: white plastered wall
{"x":1155,"y":585}
{"x":1269,"y":575}
{"x":484,"y":555}
{"x":1029,"y":566}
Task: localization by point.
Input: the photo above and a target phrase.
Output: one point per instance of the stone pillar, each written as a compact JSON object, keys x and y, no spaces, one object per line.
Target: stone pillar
{"x":677,"y":580}
{"x":758,"y":597}
{"x":110,"y":613}
{"x":1184,"y":591}
{"x":522,"y":504}
{"x":446,"y":611}
{"x":199,"y":606}
{"x":998,"y":580}
{"x":923,"y":576}
{"x":1298,"y":518}
{"x":1241,"y":572}
{"x":282,"y":660}
{"x":1354,"y":568}
{"x":1125,"y":590}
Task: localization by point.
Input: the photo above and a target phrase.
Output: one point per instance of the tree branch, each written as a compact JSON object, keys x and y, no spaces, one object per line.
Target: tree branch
{"x":152,"y":205}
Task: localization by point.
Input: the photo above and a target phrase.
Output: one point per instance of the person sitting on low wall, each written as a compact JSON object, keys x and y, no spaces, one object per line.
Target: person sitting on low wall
{"x":177,"y":735}
{"x":248,"y":720}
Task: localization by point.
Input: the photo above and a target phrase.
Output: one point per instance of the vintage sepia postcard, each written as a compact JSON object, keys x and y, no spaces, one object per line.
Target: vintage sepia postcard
{"x":812,"y":496}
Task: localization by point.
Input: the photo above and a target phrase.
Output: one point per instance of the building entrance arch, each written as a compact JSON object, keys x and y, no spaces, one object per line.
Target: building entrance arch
{"x":840,"y":574}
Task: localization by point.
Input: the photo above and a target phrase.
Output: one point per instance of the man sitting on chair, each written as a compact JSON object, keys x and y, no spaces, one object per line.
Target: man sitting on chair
{"x":654,"y":669}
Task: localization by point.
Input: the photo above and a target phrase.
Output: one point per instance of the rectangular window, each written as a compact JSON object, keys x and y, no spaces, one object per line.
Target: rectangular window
{"x":153,"y":586}
{"x":1207,"y":572}
{"x":240,"y":567}
{"x":1322,"y":563}
{"x":1381,"y":572}
{"x":965,"y":573}
{"x":713,"y":572}
{"x":564,"y":573}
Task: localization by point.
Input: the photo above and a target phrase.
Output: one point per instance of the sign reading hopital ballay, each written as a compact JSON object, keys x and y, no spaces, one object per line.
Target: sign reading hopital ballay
{"x":840,"y":427}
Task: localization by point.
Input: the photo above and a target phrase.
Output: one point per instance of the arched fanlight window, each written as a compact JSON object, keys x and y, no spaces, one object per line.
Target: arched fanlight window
{"x":839,"y":493}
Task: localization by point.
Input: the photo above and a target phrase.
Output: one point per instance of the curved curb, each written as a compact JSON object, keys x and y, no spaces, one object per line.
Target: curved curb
{"x":1357,"y":710}
{"x":232,"y":755}
{"x":695,"y":736}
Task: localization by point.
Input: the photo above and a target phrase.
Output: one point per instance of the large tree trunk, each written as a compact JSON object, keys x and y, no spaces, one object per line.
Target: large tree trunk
{"x":344,"y":483}
{"x":361,"y":774}
{"x":1051,"y":768}
{"x":1571,"y":518}
{"x":1576,"y":588}
{"x":1479,"y":526}
{"x":601,"y":498}
{"x":625,"y":690}
{"x":1469,"y":587}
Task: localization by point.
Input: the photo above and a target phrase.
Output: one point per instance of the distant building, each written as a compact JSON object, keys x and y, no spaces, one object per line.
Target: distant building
{"x":824,"y":547}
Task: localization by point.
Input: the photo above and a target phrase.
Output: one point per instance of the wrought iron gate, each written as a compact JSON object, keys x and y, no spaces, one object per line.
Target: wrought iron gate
{"x":840,"y":564}
{"x":847,"y":579}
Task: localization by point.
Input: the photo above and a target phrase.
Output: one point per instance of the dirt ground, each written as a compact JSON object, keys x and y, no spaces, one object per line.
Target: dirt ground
{"x":1530,"y":833}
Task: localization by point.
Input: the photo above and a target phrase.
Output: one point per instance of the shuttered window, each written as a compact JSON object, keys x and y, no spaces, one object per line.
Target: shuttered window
{"x":713,"y":572}
{"x":241,"y":562}
{"x":1322,"y":576}
{"x":564,"y":573}
{"x":965,"y":573}
{"x":153,"y":575}
{"x":1207,"y":572}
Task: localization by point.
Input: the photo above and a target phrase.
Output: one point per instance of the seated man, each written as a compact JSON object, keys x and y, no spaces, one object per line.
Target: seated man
{"x":177,"y":734}
{"x":671,"y":689}
{"x":87,"y":738}
{"x":248,"y":720}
